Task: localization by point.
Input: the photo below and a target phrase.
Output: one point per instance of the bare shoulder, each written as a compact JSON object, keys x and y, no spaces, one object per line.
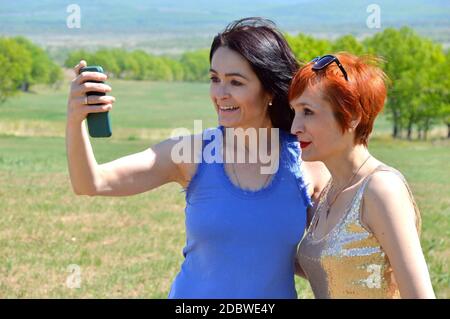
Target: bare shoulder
{"x":316,"y":176}
{"x":385,"y":187}
{"x":387,"y":199}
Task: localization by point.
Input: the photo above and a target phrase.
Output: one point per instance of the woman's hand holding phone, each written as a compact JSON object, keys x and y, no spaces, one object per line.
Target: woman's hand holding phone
{"x":88,"y":99}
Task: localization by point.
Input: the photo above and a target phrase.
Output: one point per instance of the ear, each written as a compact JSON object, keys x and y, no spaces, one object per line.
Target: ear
{"x":354,"y":123}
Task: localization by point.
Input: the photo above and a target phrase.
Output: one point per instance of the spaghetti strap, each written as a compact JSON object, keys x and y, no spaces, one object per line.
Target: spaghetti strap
{"x":385,"y":168}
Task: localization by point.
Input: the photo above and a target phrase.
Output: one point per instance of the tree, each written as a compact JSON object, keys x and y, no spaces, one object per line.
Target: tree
{"x":75,"y":57}
{"x":348,"y":43}
{"x":307,"y":48}
{"x":120,"y":58}
{"x":55,"y":76}
{"x":158,"y":69}
{"x":139,"y":66}
{"x":411,"y":62}
{"x":43,"y":69}
{"x":196,"y":65}
{"x":16,"y":67}
{"x":107,"y":60}
{"x":434,"y":97}
{"x":176,"y":69}
{"x":444,"y":94}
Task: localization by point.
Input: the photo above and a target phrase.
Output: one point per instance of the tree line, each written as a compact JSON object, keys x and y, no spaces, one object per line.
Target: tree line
{"x":24,"y":64}
{"x":140,"y":65}
{"x":418,"y":71}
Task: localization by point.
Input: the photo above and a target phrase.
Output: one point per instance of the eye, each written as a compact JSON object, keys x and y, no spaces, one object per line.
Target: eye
{"x":307,"y":111}
{"x":236,"y":83}
{"x":214,"y":79}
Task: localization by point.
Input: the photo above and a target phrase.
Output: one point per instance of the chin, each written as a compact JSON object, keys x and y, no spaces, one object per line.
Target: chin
{"x":225,"y":124}
{"x":308,"y":157}
{"x":228,"y":123}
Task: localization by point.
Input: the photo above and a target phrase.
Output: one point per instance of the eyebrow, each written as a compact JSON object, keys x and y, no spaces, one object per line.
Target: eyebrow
{"x":301,"y":104}
{"x":230,"y":74}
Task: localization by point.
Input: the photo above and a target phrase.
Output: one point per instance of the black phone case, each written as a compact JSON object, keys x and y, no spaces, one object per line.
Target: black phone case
{"x":99,"y":124}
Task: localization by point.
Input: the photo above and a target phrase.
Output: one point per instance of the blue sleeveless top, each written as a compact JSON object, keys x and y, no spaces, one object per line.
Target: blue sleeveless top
{"x":243,"y":243}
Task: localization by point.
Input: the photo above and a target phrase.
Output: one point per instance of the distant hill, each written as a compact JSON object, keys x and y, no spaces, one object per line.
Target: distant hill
{"x":171,"y":26}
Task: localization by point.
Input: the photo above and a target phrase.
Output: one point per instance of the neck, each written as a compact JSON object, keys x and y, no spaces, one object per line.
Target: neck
{"x":264,"y":124}
{"x":344,"y":165}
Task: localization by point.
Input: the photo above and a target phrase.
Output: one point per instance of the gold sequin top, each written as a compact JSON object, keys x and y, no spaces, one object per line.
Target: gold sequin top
{"x":348,"y":262}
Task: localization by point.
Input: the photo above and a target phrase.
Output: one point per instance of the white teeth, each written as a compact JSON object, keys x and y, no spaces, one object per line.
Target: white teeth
{"x":231,"y":107}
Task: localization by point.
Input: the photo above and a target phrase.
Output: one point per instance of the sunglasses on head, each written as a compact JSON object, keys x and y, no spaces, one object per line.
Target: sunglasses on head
{"x":321,"y":62}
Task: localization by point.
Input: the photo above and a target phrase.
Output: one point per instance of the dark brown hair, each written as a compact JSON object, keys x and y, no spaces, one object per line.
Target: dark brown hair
{"x":270,"y":57}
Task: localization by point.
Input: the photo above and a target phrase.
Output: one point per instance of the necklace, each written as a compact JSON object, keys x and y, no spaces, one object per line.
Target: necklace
{"x":237,"y":178}
{"x":340,"y":192}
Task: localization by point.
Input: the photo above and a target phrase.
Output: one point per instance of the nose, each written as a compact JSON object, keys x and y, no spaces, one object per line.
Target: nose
{"x":297,"y":125}
{"x":220,"y":92}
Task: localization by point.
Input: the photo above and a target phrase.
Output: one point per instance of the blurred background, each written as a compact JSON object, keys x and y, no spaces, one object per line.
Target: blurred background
{"x":55,"y":244}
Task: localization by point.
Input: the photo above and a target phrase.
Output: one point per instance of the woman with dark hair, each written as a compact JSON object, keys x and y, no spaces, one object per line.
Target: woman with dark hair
{"x":270,"y":58}
{"x":243,"y":224}
{"x":363,"y":240}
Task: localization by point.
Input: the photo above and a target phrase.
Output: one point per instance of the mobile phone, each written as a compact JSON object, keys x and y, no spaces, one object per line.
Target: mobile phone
{"x":99,"y":124}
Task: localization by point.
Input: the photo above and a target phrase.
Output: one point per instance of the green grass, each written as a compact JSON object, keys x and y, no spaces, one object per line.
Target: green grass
{"x":132,"y":246}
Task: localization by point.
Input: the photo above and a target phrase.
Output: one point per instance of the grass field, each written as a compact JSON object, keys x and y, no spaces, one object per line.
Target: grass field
{"x":132,"y":247}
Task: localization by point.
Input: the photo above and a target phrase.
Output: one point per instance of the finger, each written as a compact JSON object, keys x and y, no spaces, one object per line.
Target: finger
{"x":79,"y":101}
{"x":97,"y":99}
{"x":78,"y":67}
{"x":92,"y":100}
{"x":97,"y":108}
{"x":91,"y":76}
{"x":82,"y":89}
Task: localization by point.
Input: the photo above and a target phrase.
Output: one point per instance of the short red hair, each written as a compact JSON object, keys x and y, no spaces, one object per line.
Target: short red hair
{"x":362,"y":96}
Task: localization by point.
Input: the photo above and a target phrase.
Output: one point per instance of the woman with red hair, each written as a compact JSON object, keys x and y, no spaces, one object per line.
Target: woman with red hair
{"x":363,"y":237}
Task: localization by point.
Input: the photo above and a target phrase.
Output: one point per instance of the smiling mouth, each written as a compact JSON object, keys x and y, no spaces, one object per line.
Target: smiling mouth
{"x":230,"y":108}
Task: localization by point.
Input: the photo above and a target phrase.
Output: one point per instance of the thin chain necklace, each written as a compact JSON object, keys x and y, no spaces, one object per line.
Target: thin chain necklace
{"x":237,"y":178}
{"x":340,"y":192}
